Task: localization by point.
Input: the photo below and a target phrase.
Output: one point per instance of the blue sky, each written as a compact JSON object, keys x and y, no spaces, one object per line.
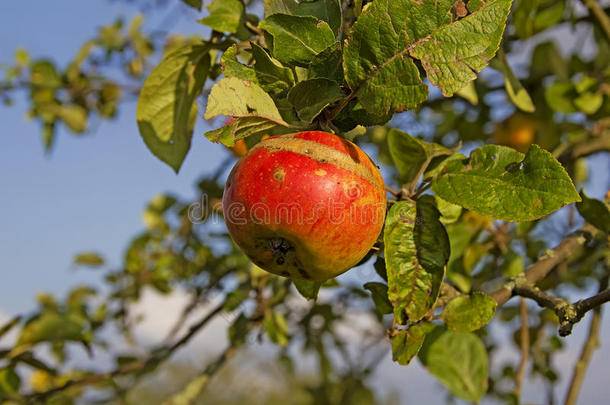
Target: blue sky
{"x":90,"y":191}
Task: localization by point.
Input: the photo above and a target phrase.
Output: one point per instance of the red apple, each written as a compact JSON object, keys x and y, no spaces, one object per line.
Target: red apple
{"x":305,"y":206}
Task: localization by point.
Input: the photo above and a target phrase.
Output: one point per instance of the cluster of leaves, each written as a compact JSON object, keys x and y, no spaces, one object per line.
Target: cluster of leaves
{"x":350,"y":67}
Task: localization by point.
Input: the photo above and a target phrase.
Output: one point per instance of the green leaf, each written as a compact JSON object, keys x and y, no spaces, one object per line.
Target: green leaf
{"x":308,"y":289}
{"x":459,"y":361}
{"x":469,"y":93}
{"x":276,"y":327}
{"x":589,"y":103}
{"x":376,"y":61}
{"x":297,"y":40}
{"x":9,"y":381}
{"x":416,"y":252}
{"x":513,"y":264}
{"x":407,"y":343}
{"x":325,"y":10}
{"x":504,"y":184}
{"x":411,"y":155}
{"x":167,"y":110}
{"x":44,"y":73}
{"x":453,"y":54}
{"x":594,"y":211}
{"x":469,"y":313}
{"x":311,"y":97}
{"x":232,"y":67}
{"x":559,"y":96}
{"x":51,"y":327}
{"x":90,"y":259}
{"x":379,"y":293}
{"x":74,"y":116}
{"x":238,"y":331}
{"x":515,"y":90}
{"x":449,"y":212}
{"x":225,"y":15}
{"x":194,"y":3}
{"x":271,"y":75}
{"x":328,"y":64}
{"x":253,"y":109}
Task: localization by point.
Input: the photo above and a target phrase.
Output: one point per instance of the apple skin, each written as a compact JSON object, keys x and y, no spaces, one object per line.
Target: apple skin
{"x":305,"y":206}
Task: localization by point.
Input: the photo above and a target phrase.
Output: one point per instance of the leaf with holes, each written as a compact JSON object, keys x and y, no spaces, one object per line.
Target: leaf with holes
{"x":505,"y":184}
{"x":454,"y":54}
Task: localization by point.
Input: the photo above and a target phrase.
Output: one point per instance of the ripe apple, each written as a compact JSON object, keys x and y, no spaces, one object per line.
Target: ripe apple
{"x":305,"y":206}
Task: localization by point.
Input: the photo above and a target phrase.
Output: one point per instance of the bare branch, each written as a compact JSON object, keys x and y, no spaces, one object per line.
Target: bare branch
{"x":600,"y":15}
{"x":156,"y":357}
{"x":590,"y":344}
{"x":545,"y":264}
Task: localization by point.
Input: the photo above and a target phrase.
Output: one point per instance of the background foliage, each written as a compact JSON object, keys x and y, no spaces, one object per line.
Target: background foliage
{"x":487,"y":158}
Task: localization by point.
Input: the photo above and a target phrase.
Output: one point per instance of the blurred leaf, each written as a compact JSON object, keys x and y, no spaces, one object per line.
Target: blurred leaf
{"x":238,"y":331}
{"x":379,"y":293}
{"x":454,"y":53}
{"x":589,"y":103}
{"x":308,"y":289}
{"x":236,"y":297}
{"x":311,"y":97}
{"x":43,"y":73}
{"x":469,"y":93}
{"x":9,"y":381}
{"x":502,"y":183}
{"x":325,"y":10}
{"x":192,"y":392}
{"x":167,"y":110}
{"x":469,"y":313}
{"x":458,"y":360}
{"x":225,"y":15}
{"x":513,"y":264}
{"x":407,"y":343}
{"x":559,"y":96}
{"x":595,"y":212}
{"x":276,"y":327}
{"x":515,"y":90}
{"x":74,"y":116}
{"x":297,"y":40}
{"x":416,"y":252}
{"x":90,"y":259}
{"x":49,"y":327}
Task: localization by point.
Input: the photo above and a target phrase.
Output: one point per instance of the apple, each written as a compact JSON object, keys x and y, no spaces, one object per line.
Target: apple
{"x":306,"y":206}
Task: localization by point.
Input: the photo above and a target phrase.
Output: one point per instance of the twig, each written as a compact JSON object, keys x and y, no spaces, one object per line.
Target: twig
{"x":156,"y":357}
{"x":545,"y":264}
{"x":590,"y":344}
{"x":594,"y":145}
{"x":392,"y":191}
{"x":600,"y":15}
{"x":525,"y":347}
